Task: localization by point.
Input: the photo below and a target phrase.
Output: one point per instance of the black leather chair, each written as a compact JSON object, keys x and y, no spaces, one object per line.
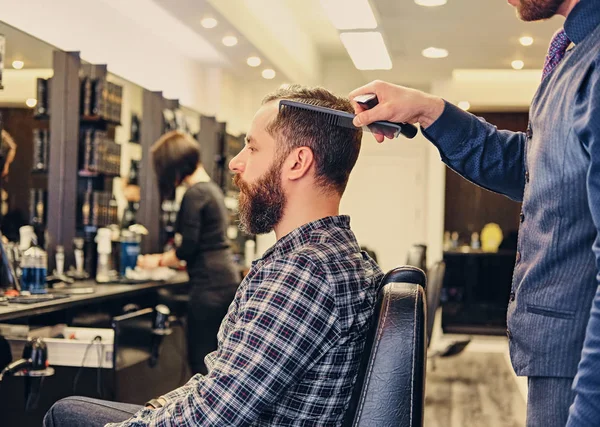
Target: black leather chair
{"x":435,"y":281}
{"x":390,"y":389}
{"x":417,"y":256}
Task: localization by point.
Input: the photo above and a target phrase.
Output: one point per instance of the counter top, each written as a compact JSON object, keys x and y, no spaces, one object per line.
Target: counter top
{"x":102,"y":292}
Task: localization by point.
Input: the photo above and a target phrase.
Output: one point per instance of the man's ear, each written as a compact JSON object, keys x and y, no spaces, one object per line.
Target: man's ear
{"x":298,"y":163}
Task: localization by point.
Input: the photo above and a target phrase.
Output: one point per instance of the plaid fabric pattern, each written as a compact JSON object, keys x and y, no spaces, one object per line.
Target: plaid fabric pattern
{"x":291,"y":343}
{"x":556,"y":51}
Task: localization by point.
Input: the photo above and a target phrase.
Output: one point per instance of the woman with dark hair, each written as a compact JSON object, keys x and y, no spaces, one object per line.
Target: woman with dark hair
{"x":202,"y":223}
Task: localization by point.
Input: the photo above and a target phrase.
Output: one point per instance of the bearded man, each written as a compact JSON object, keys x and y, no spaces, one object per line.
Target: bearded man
{"x":290,"y":346}
{"x":554,"y":169}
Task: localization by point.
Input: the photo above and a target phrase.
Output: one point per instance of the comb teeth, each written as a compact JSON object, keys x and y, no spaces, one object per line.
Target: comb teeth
{"x":330,"y":118}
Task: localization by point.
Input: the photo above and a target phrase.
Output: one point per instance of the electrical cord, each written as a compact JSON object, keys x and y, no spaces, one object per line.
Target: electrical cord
{"x":100,"y":348}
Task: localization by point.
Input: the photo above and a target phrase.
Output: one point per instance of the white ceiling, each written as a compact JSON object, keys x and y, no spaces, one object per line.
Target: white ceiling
{"x":296,"y":38}
{"x":478,"y":34}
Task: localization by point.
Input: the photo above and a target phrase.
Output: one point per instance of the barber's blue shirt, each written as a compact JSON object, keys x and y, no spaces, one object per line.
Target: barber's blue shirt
{"x":554,"y":169}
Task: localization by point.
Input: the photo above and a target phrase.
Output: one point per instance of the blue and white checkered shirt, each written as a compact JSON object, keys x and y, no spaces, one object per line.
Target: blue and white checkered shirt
{"x":291,"y":344}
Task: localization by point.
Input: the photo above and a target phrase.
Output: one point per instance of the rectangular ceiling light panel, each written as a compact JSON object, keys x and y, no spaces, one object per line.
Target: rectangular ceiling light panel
{"x":367,"y":50}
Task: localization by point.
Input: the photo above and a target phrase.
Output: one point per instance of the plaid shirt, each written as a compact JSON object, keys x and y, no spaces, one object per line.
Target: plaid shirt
{"x":290,"y":345}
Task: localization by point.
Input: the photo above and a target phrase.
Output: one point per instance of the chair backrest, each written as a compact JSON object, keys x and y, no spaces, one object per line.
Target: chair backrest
{"x":417,"y":256}
{"x":435,"y":282}
{"x":389,"y":390}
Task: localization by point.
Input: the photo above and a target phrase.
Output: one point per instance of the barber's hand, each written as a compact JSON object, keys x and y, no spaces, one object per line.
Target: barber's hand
{"x":148,"y":262}
{"x":396,"y":104}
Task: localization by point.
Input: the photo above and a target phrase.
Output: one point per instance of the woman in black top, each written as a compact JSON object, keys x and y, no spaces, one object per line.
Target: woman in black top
{"x":202,"y":223}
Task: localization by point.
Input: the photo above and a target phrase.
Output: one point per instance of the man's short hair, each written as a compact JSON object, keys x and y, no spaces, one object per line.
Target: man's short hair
{"x":335,"y":148}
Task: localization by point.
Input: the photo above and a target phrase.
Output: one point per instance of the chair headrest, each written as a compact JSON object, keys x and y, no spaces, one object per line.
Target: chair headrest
{"x":405,"y":274}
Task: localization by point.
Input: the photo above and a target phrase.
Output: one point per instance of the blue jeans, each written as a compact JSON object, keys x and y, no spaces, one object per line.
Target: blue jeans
{"x":79,"y":411}
{"x":548,"y":401}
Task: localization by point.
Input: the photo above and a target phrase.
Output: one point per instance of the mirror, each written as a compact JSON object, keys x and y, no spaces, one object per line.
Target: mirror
{"x":24,"y":149}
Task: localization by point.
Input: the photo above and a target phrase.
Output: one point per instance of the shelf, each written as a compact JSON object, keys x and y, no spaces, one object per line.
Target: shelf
{"x":41,"y":117}
{"x":89,"y":174}
{"x":97,"y":120}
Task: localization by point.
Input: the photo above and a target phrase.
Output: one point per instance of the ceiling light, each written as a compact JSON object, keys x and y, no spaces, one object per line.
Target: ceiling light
{"x":434,"y":52}
{"x":517,"y":64}
{"x":253,"y":61}
{"x":430,"y":3}
{"x":526,"y":40}
{"x":230,"y":41}
{"x":367,"y":50}
{"x":268,"y":74}
{"x":350,"y":14}
{"x":31,"y":102}
{"x":209,"y":22}
{"x":17,"y":65}
{"x":465,"y":105}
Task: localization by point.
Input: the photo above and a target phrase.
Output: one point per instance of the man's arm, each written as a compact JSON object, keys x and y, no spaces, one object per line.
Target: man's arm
{"x":586,"y":408}
{"x":491,"y":158}
{"x":287,"y":324}
{"x":475,"y":149}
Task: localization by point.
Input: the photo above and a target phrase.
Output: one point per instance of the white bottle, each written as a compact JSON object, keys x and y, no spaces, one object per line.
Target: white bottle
{"x":26,"y":235}
{"x":104,"y":244}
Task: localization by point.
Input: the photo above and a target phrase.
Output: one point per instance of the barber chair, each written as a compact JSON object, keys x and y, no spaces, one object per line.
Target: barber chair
{"x":435,"y":282}
{"x":417,"y":256}
{"x":389,"y":390}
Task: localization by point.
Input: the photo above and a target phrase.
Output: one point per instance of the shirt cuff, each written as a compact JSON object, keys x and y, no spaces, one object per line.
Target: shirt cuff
{"x":450,"y":130}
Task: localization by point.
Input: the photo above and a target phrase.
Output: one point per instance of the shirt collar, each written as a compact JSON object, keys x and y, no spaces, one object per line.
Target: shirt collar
{"x":301,"y":235}
{"x":583,"y":19}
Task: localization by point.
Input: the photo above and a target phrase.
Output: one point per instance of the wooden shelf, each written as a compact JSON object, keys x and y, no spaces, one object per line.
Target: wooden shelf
{"x":89,"y":174}
{"x":90,"y":120}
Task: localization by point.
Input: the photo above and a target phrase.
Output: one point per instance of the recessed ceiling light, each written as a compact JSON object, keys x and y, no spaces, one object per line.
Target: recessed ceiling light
{"x":350,"y":14}
{"x":526,"y":40}
{"x":209,"y":22}
{"x":430,"y":3}
{"x":367,"y":50}
{"x":17,"y":65}
{"x":465,"y":105}
{"x":253,"y":61}
{"x":434,"y":52}
{"x":31,"y":102}
{"x":517,"y":64}
{"x":230,"y":41}
{"x":268,"y":74}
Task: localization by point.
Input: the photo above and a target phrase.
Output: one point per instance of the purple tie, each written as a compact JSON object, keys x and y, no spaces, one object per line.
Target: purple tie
{"x":556,"y":51}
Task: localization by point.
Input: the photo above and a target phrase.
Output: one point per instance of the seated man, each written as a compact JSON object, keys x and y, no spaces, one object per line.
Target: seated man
{"x":290,"y":347}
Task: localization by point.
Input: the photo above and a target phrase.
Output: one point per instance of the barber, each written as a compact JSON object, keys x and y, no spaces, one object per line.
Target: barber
{"x":202,"y":223}
{"x":554,"y":169}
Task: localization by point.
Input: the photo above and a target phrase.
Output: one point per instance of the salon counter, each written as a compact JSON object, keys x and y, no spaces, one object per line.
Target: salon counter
{"x":102,"y":293}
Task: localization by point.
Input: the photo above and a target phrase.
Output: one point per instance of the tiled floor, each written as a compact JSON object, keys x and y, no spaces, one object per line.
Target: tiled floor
{"x":475,"y":388}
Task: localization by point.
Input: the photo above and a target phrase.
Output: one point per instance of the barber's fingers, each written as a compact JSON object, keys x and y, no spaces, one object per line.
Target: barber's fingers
{"x":382,"y":111}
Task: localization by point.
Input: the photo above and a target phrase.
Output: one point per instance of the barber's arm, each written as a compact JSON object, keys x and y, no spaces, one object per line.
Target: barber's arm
{"x":586,"y":408}
{"x":477,"y":150}
{"x":287,"y":324}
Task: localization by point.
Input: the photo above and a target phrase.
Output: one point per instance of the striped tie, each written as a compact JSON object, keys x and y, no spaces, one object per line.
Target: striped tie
{"x":556,"y":51}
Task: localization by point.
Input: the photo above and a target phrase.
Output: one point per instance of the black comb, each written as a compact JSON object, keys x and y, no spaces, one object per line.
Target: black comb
{"x":344,"y":119}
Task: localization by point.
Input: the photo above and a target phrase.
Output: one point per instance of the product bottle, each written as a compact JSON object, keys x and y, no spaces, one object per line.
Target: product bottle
{"x":34,"y":269}
{"x":60,"y":260}
{"x":104,"y":247}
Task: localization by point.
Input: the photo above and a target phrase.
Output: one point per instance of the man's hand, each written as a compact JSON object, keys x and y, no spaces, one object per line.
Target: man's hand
{"x":396,"y":104}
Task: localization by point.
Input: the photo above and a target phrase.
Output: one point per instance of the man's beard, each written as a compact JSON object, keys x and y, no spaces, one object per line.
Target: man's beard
{"x":536,"y":10}
{"x":261,"y":204}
